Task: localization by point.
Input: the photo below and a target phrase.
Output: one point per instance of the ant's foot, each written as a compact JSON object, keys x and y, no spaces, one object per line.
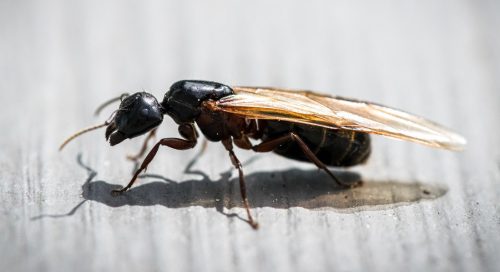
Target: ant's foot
{"x":254,"y":225}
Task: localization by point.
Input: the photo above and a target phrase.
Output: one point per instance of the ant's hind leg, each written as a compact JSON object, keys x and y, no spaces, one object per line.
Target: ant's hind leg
{"x":270,"y":145}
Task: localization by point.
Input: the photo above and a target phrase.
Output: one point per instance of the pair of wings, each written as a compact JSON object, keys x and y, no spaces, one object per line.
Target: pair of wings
{"x":316,"y":109}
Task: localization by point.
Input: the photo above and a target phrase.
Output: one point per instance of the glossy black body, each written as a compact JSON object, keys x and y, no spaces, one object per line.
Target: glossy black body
{"x":184,"y":102}
{"x":332,"y":147}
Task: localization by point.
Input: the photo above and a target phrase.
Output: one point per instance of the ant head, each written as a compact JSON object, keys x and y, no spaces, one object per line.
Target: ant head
{"x":138,"y":114}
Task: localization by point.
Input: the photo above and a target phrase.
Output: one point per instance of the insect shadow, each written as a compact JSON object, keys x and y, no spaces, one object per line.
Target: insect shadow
{"x":310,"y":189}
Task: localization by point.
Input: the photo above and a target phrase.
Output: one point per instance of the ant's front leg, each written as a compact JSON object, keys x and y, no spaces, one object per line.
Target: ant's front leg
{"x":186,"y":130}
{"x":144,"y":147}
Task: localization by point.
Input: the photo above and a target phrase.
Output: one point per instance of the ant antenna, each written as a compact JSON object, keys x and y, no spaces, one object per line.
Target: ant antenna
{"x":85,"y":130}
{"x":109,"y":102}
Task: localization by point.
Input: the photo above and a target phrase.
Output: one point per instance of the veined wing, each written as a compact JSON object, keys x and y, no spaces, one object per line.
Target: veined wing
{"x":337,"y":113}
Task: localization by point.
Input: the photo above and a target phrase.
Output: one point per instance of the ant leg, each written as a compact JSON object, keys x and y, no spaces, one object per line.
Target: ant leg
{"x":243,"y":143}
{"x":243,"y":190}
{"x":175,"y":143}
{"x":270,"y":145}
{"x":144,"y":147}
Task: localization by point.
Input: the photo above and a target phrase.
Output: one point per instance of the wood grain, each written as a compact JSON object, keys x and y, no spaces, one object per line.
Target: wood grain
{"x":420,"y":209}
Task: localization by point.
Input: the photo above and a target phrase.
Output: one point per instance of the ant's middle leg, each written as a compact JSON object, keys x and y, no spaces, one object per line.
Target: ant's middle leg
{"x":243,"y":190}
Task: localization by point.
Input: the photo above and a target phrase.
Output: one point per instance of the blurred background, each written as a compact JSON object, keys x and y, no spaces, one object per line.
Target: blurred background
{"x":420,"y":208}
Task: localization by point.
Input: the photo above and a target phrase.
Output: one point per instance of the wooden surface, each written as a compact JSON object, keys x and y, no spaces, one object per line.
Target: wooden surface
{"x":420,"y":209}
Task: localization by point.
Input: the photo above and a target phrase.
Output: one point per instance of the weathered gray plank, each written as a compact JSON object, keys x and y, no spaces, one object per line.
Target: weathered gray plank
{"x":420,"y":209}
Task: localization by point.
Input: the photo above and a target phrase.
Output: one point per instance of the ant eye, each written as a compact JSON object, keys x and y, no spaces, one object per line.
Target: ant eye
{"x":145,"y":112}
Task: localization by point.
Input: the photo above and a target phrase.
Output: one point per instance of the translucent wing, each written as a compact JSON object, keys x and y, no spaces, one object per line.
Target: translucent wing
{"x":337,"y":113}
